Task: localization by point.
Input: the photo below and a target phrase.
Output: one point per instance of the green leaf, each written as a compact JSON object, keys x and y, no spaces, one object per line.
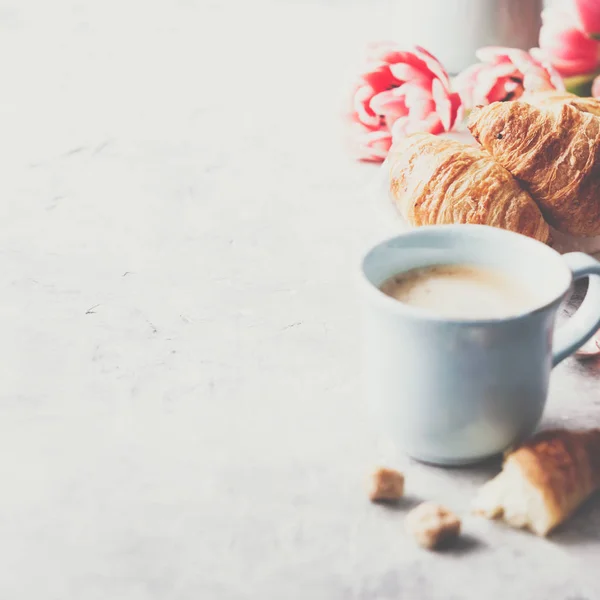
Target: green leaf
{"x":580,"y":84}
{"x":595,"y":36}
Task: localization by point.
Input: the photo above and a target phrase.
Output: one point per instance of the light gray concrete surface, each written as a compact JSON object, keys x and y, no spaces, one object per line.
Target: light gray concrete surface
{"x":180,"y":407}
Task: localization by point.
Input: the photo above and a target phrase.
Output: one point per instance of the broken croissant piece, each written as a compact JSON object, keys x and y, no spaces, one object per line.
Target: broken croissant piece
{"x":554,"y":152}
{"x":544,"y":480}
{"x":440,"y":181}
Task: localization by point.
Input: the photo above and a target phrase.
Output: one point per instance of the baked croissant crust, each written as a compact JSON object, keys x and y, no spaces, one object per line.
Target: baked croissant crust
{"x":441,"y":181}
{"x":544,"y":481}
{"x":555,"y":153}
{"x":554,"y":100}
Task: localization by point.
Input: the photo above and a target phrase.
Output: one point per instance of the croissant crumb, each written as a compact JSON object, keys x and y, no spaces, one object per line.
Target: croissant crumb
{"x":387,"y":485}
{"x":432,"y":525}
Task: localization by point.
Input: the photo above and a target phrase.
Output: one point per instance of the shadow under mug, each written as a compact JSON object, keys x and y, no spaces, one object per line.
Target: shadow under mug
{"x":456,"y":391}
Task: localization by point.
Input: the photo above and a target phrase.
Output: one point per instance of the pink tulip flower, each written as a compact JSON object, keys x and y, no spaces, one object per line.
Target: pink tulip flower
{"x":400,"y":93}
{"x":566,"y":40}
{"x":505,"y":74}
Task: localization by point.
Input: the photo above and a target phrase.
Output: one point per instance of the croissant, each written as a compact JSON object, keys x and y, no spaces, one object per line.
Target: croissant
{"x":441,"y":181}
{"x":555,"y":153}
{"x":544,"y":481}
{"x":554,"y":100}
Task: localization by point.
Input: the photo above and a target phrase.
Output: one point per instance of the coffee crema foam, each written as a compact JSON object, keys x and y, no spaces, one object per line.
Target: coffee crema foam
{"x":461,"y":291}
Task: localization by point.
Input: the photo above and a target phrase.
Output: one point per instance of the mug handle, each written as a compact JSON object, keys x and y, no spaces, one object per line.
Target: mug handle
{"x":586,"y":321}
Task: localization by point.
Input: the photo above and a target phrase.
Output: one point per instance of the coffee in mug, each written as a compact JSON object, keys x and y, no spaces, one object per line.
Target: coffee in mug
{"x":461,"y":291}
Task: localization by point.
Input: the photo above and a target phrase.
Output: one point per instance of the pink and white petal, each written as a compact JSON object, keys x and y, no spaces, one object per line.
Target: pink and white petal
{"x":537,"y":80}
{"x":501,"y":70}
{"x":466,"y":95}
{"x":490,"y":90}
{"x":504,"y":90}
{"x":468,"y":75}
{"x":565,"y":45}
{"x":398,"y":129}
{"x":411,"y":59}
{"x":571,"y":68}
{"x":422,"y":61}
{"x":432,"y":124}
{"x":555,"y":78}
{"x":378,"y":102}
{"x":511,"y":86}
{"x":389,"y":103}
{"x":374,"y":146}
{"x":447,"y":107}
{"x":561,"y":17}
{"x":382,"y":51}
{"x":465,"y":83}
{"x":521,"y":59}
{"x":353,"y":118}
{"x":405,"y":72}
{"x":572,"y":52}
{"x":566,"y":38}
{"x":589,"y":15}
{"x":361,"y":105}
{"x":421,"y":110}
{"x":456,"y":109}
{"x":379,"y":77}
{"x":488,"y":80}
{"x":414,"y":93}
{"x":433,"y":64}
{"x":395,"y":112}
{"x":493,"y":54}
{"x":443,"y":105}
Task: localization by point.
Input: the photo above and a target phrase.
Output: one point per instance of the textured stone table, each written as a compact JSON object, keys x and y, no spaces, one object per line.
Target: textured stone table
{"x":180,"y":410}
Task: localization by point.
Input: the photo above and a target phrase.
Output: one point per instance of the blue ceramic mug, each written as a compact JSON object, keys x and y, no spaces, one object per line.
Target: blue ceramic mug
{"x":454,"y":391}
